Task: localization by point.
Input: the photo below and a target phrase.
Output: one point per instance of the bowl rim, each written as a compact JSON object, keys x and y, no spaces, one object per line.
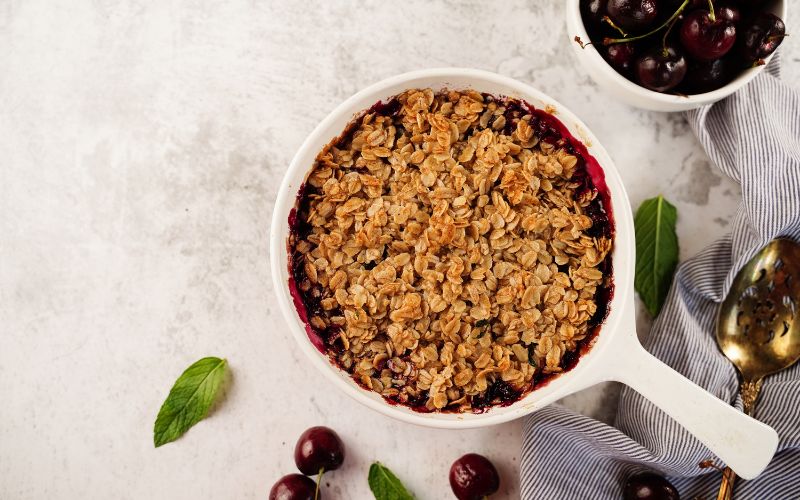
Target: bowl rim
{"x":576,"y":22}
{"x":623,"y":253}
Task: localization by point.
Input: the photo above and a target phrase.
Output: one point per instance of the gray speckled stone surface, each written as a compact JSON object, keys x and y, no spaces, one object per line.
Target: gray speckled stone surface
{"x":143,"y":144}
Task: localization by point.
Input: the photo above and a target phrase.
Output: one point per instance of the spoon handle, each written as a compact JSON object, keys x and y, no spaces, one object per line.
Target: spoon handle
{"x":726,"y":487}
{"x":750,"y":390}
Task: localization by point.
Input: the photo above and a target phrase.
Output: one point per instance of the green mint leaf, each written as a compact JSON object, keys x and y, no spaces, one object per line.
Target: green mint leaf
{"x":656,"y":251}
{"x":385,"y":485}
{"x":189,"y":399}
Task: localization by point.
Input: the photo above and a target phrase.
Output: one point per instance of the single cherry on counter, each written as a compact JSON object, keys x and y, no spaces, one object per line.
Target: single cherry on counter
{"x":294,"y":487}
{"x":319,"y":449}
{"x":649,"y":486}
{"x":473,"y":477}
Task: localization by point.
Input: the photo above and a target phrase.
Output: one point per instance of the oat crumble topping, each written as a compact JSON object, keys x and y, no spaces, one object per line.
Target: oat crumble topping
{"x":450,"y":250}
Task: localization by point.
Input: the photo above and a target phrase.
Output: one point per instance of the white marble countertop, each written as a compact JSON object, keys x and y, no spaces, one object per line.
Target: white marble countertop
{"x":143,"y":144}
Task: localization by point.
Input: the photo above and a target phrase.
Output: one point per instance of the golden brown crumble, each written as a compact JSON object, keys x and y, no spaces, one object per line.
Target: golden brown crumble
{"x":448,"y":250}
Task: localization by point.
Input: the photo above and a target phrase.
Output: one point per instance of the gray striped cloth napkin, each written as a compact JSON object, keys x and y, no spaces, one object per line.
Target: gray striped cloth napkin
{"x":753,"y":137}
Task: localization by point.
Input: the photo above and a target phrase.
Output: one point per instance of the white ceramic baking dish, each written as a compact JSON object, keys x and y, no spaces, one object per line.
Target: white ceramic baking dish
{"x":742,"y":442}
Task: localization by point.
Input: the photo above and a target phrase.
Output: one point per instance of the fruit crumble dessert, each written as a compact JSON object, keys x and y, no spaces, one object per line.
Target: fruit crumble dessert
{"x":450,"y":250}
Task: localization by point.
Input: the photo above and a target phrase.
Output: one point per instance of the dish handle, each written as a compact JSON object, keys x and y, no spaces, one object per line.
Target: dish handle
{"x":743,"y":443}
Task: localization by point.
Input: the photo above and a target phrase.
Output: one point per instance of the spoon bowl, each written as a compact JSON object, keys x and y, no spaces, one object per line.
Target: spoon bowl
{"x":759,"y":327}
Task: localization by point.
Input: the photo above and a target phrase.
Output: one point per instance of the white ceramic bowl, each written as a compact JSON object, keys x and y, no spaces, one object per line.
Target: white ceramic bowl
{"x":743,"y":443}
{"x":635,"y":95}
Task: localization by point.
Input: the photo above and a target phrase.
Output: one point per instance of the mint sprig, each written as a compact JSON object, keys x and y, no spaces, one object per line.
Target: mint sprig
{"x":656,"y":251}
{"x":189,"y":399}
{"x":385,"y":485}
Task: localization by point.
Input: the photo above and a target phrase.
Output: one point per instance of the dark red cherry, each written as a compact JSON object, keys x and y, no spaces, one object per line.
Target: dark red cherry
{"x":319,"y":448}
{"x":762,"y":36}
{"x":473,"y":477}
{"x":661,"y":69}
{"x":649,"y":486}
{"x":294,"y":487}
{"x":705,"y":76}
{"x":632,"y":15}
{"x":621,"y":56}
{"x":593,"y":11}
{"x":704,"y":39}
{"x":728,"y":13}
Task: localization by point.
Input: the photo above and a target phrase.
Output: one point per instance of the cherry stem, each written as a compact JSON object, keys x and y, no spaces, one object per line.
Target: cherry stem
{"x":612,"y":41}
{"x":319,"y":480}
{"x":711,"y":14}
{"x":705,"y":464}
{"x":580,"y":42}
{"x":608,"y":21}
{"x":666,"y":34}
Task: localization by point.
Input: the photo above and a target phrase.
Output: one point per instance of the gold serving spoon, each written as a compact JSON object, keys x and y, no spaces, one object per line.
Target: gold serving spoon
{"x":759,"y":324}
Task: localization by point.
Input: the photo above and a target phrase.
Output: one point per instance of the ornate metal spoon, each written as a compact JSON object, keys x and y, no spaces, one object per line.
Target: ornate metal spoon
{"x":759,"y":324}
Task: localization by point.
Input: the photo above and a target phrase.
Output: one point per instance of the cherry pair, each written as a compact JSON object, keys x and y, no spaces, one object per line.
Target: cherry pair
{"x":318,"y":450}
